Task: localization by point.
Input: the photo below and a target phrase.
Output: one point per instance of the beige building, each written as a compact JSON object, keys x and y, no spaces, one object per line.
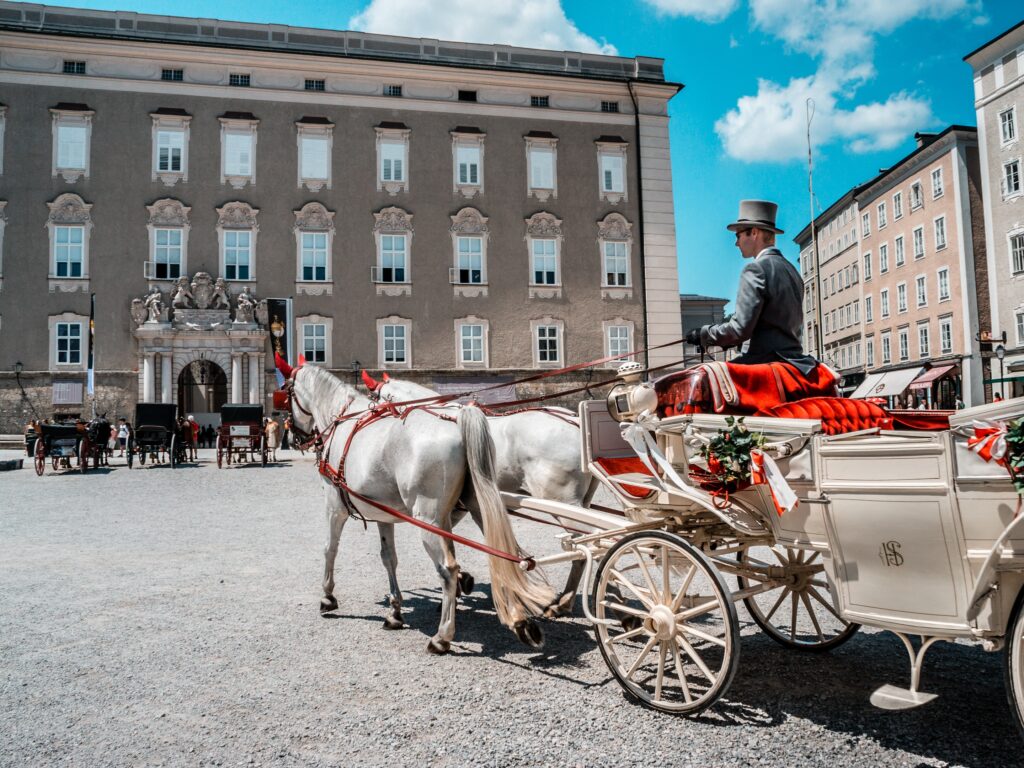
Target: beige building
{"x":999,"y":100}
{"x":460,"y":213}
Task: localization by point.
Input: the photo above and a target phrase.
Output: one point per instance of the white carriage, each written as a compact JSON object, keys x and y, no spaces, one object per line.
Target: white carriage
{"x":908,"y":531}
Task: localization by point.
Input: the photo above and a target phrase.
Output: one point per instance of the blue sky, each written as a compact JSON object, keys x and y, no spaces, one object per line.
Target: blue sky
{"x":878,"y":70}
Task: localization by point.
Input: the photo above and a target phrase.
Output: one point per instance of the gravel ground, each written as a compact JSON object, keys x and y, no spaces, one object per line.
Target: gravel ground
{"x":159,"y":617}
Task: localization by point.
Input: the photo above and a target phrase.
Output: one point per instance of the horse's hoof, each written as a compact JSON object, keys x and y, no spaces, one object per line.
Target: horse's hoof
{"x":530,"y":633}
{"x":328,"y":604}
{"x":390,"y":622}
{"x":558,"y":609}
{"x":438,"y":647}
{"x":466,"y":583}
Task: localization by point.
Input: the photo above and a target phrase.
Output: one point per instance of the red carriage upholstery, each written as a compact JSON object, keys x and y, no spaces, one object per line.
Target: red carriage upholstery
{"x":739,"y":389}
{"x":837,"y":414}
{"x":622,"y":466}
{"x":926,"y":421}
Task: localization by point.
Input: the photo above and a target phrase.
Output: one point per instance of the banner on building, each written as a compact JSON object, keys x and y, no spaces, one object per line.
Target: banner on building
{"x":91,"y":377}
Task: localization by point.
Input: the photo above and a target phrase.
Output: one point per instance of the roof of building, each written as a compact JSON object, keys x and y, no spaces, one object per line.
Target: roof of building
{"x":698,"y":297}
{"x":929,"y":141}
{"x":995,"y":39}
{"x":829,"y":213}
{"x":126,"y":25}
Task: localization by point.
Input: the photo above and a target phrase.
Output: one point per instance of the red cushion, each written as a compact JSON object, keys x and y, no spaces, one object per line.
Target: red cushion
{"x":837,"y":414}
{"x":622,"y":466}
{"x":926,"y":421}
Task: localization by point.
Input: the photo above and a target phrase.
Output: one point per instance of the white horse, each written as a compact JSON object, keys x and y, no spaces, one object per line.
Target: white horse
{"x":417,"y":465}
{"x":537,"y":453}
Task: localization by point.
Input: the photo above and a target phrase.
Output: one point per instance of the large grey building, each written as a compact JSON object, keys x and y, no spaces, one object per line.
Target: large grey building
{"x":446,"y":209}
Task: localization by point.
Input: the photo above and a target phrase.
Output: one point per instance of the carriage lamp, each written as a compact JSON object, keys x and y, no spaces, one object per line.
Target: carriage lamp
{"x":632,"y":396}
{"x":18,"y":368}
{"x":355,"y":365}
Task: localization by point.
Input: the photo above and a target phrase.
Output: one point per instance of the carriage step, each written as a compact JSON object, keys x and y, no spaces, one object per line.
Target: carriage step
{"x":895,"y":698}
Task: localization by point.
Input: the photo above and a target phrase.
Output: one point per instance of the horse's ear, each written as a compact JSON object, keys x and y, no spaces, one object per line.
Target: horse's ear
{"x":371,"y":383}
{"x":386,"y":377}
{"x":282,"y":365}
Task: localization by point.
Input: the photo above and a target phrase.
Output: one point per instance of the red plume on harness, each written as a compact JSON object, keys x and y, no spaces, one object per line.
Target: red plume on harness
{"x":371,"y":383}
{"x":282,"y":365}
{"x":386,"y":377}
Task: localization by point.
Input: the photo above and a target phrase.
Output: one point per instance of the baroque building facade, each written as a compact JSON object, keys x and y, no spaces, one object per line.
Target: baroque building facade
{"x":455,"y":212}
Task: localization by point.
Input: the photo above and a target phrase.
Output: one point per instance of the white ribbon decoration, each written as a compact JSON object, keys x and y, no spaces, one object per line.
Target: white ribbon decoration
{"x":643,"y":444}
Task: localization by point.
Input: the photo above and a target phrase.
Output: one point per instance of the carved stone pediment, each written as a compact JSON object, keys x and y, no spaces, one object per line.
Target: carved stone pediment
{"x":614,"y":227}
{"x":392,"y":220}
{"x":314,"y":216}
{"x":262,"y":313}
{"x":237,"y":215}
{"x":469,"y":221}
{"x":202,"y":290}
{"x":168,"y":213}
{"x":69,"y":208}
{"x":543,"y":224}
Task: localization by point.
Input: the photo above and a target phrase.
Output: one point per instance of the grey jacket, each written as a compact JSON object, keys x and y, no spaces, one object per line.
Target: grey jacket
{"x":769,"y":313}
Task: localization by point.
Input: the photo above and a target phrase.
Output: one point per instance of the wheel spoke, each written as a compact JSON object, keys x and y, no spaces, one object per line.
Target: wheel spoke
{"x":643,"y":569}
{"x":624,"y":609}
{"x":647,"y":600}
{"x":678,"y":599}
{"x":810,"y":612}
{"x":666,"y":572}
{"x":792,"y":616}
{"x":639,"y":659}
{"x":697,"y":610}
{"x":814,"y":556}
{"x":626,"y":635}
{"x":702,"y":635}
{"x":818,"y":583}
{"x":661,"y":671}
{"x":692,"y":653}
{"x":680,"y":673}
{"x":775,"y":607}
{"x":828,"y":606}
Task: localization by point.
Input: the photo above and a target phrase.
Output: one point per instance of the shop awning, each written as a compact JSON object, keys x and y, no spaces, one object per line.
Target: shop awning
{"x":926,"y":379}
{"x":894,"y":383}
{"x":864,"y":390}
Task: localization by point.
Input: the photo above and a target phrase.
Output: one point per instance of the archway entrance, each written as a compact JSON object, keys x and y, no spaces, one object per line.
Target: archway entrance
{"x":202,"y":389}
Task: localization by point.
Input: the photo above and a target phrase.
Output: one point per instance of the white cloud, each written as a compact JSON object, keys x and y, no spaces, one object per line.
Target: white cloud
{"x":705,"y":10}
{"x":528,"y":23}
{"x":770,"y":126}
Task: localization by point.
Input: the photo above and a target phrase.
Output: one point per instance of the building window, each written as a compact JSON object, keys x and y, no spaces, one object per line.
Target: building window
{"x":937,"y":186}
{"x":1011,"y":178}
{"x":172,"y":75}
{"x":883,"y":258}
{"x":865,"y":224}
{"x":904,"y":341}
{"x":916,"y":197}
{"x":883,"y":299}
{"x":68,"y":251}
{"x":167,"y":252}
{"x":824,"y":320}
{"x":616,"y":265}
{"x":869,"y":353}
{"x":547,"y":342}
{"x":901,"y":297}
{"x":854,"y":274}
{"x":900,"y":253}
{"x":236,"y":233}
{"x":946,"y":334}
{"x":856,"y":311}
{"x":69,"y":344}
{"x":618,"y":342}
{"x":3,"y":126}
{"x":539,"y":101}
{"x":469,"y":264}
{"x":314,"y":256}
{"x":239,"y":80}
{"x":922,"y":291}
{"x":392,"y":157}
{"x":315,"y":140}
{"x":541,"y":161}
{"x":611,"y":163}
{"x":392,"y":266}
{"x":922,"y":340}
{"x":471,"y":342}
{"x":468,"y":156}
{"x":609,"y":106}
{"x":943,"y":275}
{"x":238,"y":149}
{"x":170,"y":145}
{"x":869,"y":310}
{"x":467,"y":95}
{"x":170,"y":151}
{"x":882,"y":220}
{"x":316,"y":85}
{"x":544,"y":266}
{"x":897,"y":206}
{"x":1020,"y":328}
{"x":314,"y":343}
{"x":1008,"y":125}
{"x":469,"y":243}
{"x":168,"y":237}
{"x":393,"y":90}
{"x":867,"y":266}
{"x":314,"y":240}
{"x":1017,"y":253}
{"x":886,"y":348}
{"x":940,"y":233}
{"x":394,"y":344}
{"x":918,"y":242}
{"x":72,"y":134}
{"x":74,"y":67}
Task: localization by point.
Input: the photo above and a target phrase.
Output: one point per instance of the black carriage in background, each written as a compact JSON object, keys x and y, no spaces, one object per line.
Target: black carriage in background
{"x":241,"y":436}
{"x":156,"y":432}
{"x":69,"y":445}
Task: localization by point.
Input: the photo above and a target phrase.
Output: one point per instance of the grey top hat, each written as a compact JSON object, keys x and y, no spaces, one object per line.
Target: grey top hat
{"x":756,"y":213}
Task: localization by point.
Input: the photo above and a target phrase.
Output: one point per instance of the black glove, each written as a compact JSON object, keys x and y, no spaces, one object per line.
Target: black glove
{"x":693,"y":337}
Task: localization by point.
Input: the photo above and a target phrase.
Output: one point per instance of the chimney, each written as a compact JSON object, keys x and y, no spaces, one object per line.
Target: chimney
{"x":924,"y":139}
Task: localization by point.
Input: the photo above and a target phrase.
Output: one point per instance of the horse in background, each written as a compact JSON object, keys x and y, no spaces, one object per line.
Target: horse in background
{"x":418,"y":465}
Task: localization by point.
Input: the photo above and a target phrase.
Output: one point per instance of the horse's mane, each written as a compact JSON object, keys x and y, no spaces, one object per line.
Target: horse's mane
{"x":327,"y":389}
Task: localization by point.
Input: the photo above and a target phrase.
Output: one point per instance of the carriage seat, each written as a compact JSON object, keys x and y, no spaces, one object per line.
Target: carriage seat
{"x":839,"y":415}
{"x":729,"y":388}
{"x":621,"y":468}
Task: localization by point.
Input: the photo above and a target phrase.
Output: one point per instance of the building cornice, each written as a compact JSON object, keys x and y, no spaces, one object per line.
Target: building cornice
{"x":945,"y":142}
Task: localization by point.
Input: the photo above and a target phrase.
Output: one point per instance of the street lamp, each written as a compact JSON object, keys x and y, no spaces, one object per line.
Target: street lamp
{"x":18,"y":368}
{"x":1000,"y":354}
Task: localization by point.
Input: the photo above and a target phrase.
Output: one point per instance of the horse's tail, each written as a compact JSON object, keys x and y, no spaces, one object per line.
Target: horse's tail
{"x":516,"y":595}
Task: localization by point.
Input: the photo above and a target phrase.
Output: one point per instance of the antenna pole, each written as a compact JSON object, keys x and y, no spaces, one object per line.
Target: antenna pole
{"x":809,"y":104}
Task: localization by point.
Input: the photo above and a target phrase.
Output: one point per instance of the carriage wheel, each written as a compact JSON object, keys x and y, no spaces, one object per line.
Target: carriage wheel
{"x":142,"y":455}
{"x":83,"y":455}
{"x":40,"y":457}
{"x":55,"y":461}
{"x":802,"y":613}
{"x":683,"y":654}
{"x":174,"y":451}
{"x":220,"y":452}
{"x":129,"y":451}
{"x":1014,"y":663}
{"x":263,"y":450}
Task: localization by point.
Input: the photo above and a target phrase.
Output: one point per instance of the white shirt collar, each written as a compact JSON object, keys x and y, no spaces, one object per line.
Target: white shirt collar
{"x":769,"y":249}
